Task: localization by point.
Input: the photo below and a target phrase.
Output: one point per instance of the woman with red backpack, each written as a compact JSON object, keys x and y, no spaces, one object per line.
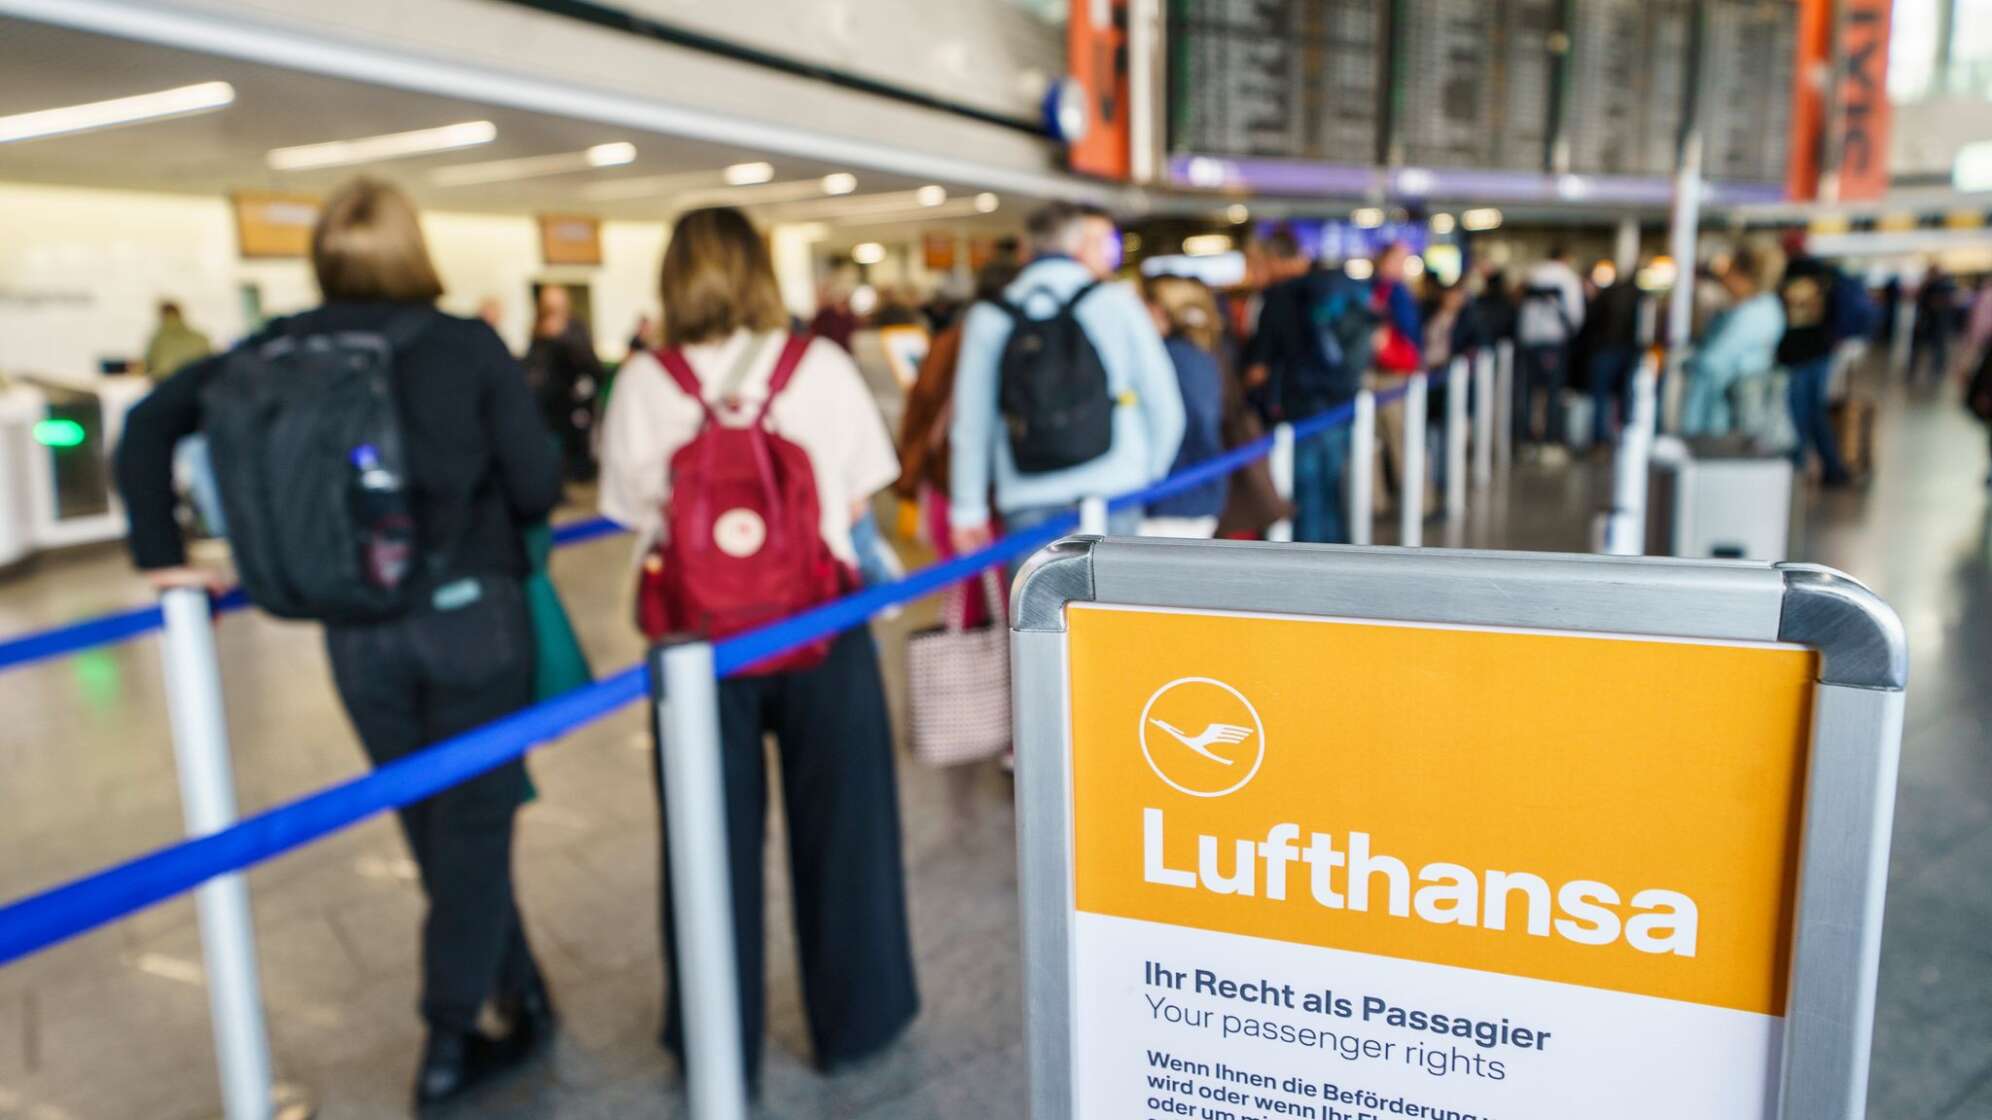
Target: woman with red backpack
{"x":743,"y":454}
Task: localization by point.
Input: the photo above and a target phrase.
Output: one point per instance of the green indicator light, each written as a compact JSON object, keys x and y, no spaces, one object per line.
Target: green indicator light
{"x":58,"y":433}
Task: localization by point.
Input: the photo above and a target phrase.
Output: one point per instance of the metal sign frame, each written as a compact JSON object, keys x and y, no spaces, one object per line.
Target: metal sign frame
{"x":1851,"y":770}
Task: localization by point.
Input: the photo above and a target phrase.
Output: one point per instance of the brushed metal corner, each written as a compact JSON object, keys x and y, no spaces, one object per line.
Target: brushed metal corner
{"x":1860,"y":640}
{"x":1059,"y":573}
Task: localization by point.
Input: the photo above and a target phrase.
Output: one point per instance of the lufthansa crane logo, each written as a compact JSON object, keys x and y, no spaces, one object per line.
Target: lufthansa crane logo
{"x":1202,"y":737}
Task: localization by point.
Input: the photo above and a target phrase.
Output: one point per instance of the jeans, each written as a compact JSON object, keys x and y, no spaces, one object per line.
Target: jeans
{"x":1544,"y":372}
{"x":191,"y":459}
{"x":1934,"y":343}
{"x":417,"y":680}
{"x":1611,"y":381}
{"x":1807,"y":397}
{"x":1320,"y":475}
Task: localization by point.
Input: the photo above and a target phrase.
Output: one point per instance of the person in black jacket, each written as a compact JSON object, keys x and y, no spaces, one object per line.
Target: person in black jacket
{"x":566,"y":375}
{"x":481,"y":465}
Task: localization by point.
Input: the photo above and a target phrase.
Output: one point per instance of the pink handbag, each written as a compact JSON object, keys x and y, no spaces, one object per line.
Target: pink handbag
{"x":958,"y":681}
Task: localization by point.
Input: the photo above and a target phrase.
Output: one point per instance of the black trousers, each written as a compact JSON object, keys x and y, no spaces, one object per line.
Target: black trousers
{"x":1542,"y":373}
{"x":409,"y":683}
{"x":835,"y":750}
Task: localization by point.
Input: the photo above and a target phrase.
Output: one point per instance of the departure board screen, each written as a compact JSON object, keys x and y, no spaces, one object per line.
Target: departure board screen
{"x":1747,"y":72}
{"x":1475,"y":83}
{"x":1628,"y":67}
{"x":1292,"y":78}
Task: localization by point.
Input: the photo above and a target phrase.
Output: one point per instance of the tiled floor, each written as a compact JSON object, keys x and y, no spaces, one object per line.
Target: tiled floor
{"x":114,"y":1025}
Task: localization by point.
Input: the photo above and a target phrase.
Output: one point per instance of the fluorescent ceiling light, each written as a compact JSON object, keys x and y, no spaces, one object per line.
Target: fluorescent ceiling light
{"x":1359,"y":268}
{"x":178,"y":102}
{"x":1442,"y":223}
{"x":986,"y":203}
{"x":1207,"y":244}
{"x":394,"y":145}
{"x":1369,"y":217}
{"x":931,"y":195}
{"x":1237,"y":214}
{"x":901,"y":215}
{"x":1481,"y":220}
{"x":840,"y":182}
{"x":529,"y":167}
{"x":748,"y":174}
{"x":885,"y":202}
{"x":870,"y":252}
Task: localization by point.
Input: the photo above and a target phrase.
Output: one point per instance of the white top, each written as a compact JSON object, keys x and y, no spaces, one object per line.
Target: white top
{"x":826,"y":409}
{"x":1540,"y":325}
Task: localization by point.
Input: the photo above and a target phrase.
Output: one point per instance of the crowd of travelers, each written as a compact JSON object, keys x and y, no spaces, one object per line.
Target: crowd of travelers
{"x":387,"y":469}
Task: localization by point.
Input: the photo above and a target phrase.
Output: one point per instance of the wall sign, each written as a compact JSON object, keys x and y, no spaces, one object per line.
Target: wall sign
{"x":570,"y":239}
{"x":269,"y":224}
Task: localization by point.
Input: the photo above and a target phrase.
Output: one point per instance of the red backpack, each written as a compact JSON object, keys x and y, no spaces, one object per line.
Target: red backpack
{"x":743,"y":538}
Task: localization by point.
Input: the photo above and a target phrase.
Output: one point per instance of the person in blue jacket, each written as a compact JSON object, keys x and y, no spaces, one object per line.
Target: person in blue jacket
{"x":1186,"y":314}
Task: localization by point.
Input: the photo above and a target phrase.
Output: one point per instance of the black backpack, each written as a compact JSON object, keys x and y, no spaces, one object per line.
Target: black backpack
{"x":1052,"y":390}
{"x":1333,"y":310}
{"x":313,"y":471}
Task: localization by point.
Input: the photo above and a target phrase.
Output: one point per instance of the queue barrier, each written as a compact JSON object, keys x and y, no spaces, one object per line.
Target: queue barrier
{"x":75,"y":637}
{"x":682,"y":680}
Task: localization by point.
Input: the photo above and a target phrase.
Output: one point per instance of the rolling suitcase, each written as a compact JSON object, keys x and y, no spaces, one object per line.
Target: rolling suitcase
{"x":1852,"y":421}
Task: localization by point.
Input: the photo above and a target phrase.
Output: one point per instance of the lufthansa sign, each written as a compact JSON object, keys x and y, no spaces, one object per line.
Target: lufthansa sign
{"x":1448,"y":835}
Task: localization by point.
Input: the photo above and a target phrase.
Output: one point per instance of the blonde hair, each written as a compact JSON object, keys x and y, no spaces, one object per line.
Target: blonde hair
{"x":717,"y":278}
{"x":368,"y":246}
{"x":1189,"y":307}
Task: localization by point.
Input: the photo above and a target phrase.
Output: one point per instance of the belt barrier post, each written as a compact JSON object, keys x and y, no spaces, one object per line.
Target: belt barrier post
{"x":1362,"y":464}
{"x":1411,"y":502}
{"x":1625,"y":528}
{"x":1093,"y":516}
{"x":1504,"y":402}
{"x":1484,"y":411}
{"x":1280,"y":463}
{"x":1456,"y":390}
{"x":686,"y":694}
{"x":207,"y":794}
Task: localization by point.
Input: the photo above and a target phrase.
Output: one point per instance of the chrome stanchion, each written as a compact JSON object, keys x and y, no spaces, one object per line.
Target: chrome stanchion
{"x":1504,"y":403}
{"x":1625,"y":524}
{"x":1093,"y":516}
{"x":1484,"y":412}
{"x":686,"y":697}
{"x":1456,"y":390}
{"x":1362,"y":464}
{"x":1411,"y":497}
{"x":1280,"y":463}
{"x":207,"y":794}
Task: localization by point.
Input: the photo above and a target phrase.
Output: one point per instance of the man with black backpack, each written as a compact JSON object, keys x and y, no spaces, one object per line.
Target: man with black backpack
{"x":1309,"y":354}
{"x":1063,"y":389}
{"x":1552,"y":311}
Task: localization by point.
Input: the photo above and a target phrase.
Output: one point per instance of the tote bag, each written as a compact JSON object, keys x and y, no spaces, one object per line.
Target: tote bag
{"x":958,"y":681}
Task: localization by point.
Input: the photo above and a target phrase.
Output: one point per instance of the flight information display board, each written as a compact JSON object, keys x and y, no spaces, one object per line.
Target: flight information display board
{"x":1293,"y":78}
{"x":1751,"y":46}
{"x":1476,"y":82}
{"x":1628,"y":66}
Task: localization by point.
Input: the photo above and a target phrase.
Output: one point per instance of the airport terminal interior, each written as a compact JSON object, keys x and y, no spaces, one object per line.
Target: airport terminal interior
{"x":1707,"y":282}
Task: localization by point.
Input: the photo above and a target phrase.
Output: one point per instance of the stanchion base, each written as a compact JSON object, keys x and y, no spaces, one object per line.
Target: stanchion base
{"x":288,"y":1102}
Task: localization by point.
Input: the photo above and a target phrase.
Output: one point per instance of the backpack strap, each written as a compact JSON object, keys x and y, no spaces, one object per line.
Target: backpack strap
{"x":680,"y":372}
{"x":784,"y":372}
{"x":1072,"y":305}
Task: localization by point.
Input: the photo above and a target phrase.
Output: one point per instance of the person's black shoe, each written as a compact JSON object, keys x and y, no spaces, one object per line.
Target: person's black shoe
{"x":453,"y":1064}
{"x":530,"y":1015}
{"x":446,"y":1069}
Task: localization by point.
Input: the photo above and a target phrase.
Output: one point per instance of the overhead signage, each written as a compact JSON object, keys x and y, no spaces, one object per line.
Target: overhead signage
{"x":1333,"y":866}
{"x":1863,"y":110}
{"x":570,"y":239}
{"x":270,"y":224}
